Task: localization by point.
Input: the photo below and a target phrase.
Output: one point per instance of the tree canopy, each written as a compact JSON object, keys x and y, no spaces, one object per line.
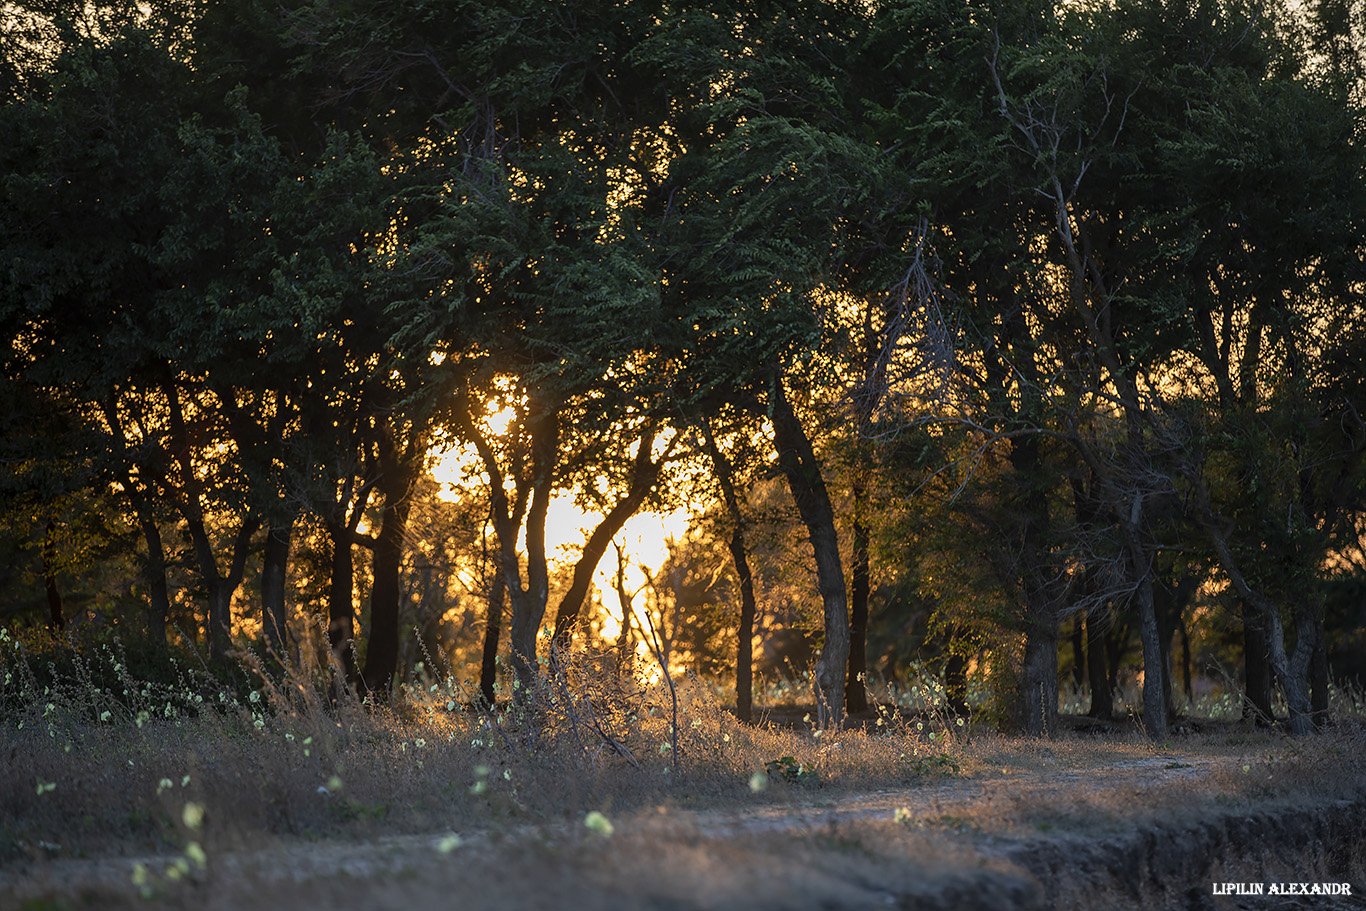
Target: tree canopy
{"x":1042,"y":315}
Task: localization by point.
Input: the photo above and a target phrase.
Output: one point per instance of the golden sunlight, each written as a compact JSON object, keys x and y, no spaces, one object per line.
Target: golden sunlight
{"x":644,"y":537}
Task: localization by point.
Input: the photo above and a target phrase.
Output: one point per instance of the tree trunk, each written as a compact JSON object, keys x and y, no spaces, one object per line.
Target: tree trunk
{"x":56,"y":621}
{"x":1186,"y":662}
{"x":398,"y":472}
{"x":1039,"y":680}
{"x":528,"y":604}
{"x":1308,"y":638}
{"x":1171,"y":621}
{"x":386,"y":592}
{"x":625,"y":652}
{"x":1319,"y":682}
{"x":341,"y":609}
{"x":1293,"y":671}
{"x":488,"y":665}
{"x":1256,"y":669}
{"x":220,"y":588}
{"x":956,"y":683}
{"x":1078,"y":654}
{"x":1154,"y":656}
{"x":860,"y":586}
{"x":154,"y":574}
{"x":274,"y":574}
{"x":154,"y":565}
{"x":1163,"y":608}
{"x":644,"y":474}
{"x":1102,"y":693}
{"x":744,"y":651}
{"x":797,"y":459}
{"x":1116,"y":647}
{"x":1037,"y":709}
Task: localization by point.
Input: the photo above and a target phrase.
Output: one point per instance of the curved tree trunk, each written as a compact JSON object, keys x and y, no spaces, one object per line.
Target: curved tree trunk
{"x":644,"y":473}
{"x":797,"y":459}
{"x":744,"y":651}
{"x":154,"y":564}
{"x":744,"y":648}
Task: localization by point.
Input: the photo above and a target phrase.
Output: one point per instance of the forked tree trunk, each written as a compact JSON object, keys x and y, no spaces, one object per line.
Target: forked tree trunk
{"x":1292,"y":670}
{"x":644,"y":473}
{"x":529,"y":603}
{"x":220,"y":587}
{"x":154,"y":564}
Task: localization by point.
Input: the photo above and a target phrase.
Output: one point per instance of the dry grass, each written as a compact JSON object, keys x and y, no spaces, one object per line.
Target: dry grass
{"x":181,"y":777}
{"x":88,"y":771}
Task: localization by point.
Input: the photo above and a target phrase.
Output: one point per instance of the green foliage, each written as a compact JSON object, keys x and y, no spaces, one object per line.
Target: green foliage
{"x":256,"y":261}
{"x":931,"y":765}
{"x":790,"y":770}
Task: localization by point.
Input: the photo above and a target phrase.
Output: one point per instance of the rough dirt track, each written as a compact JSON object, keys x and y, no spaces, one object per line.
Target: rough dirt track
{"x":947,"y":844}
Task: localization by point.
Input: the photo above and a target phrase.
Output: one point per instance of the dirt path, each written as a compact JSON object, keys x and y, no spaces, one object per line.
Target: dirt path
{"x":1127,"y":834}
